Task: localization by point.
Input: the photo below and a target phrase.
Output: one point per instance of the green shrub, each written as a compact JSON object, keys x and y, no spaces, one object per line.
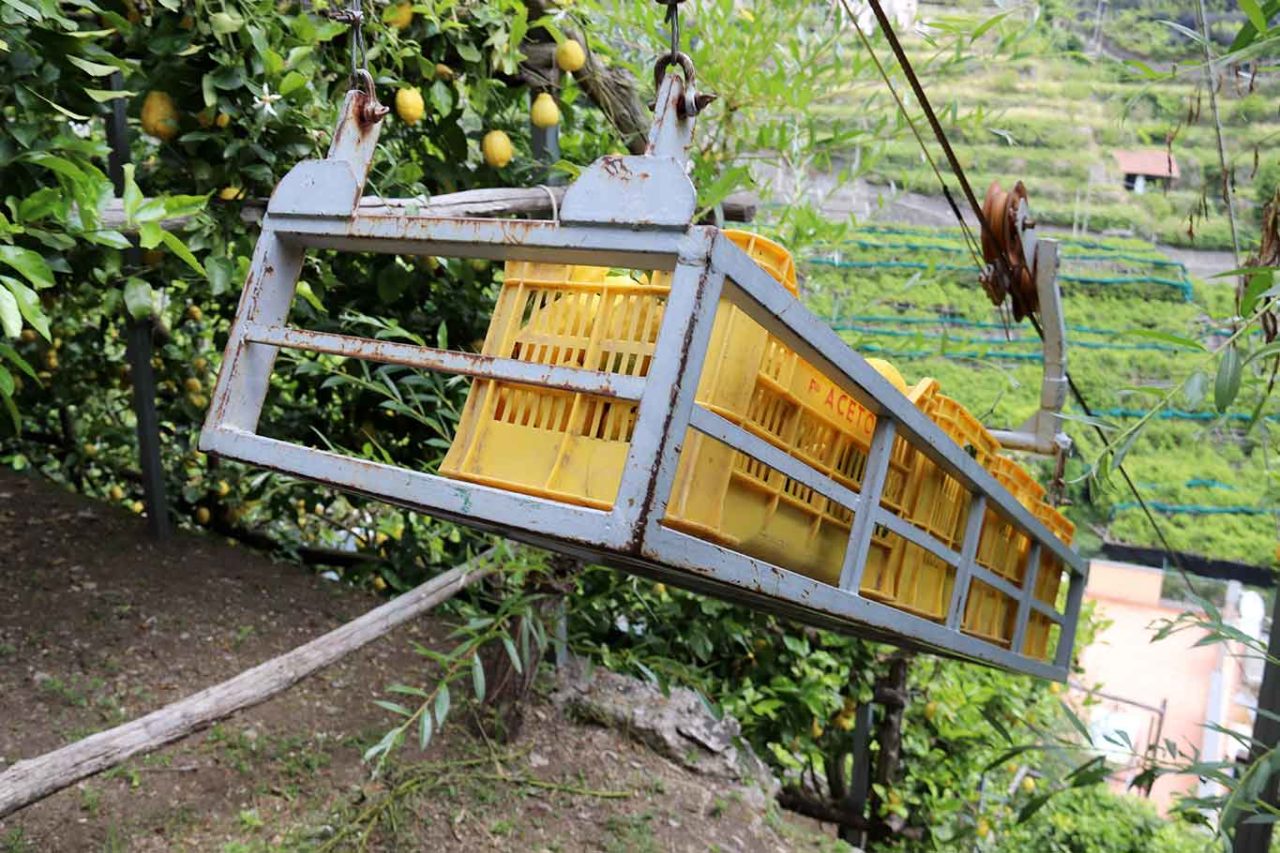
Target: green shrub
{"x":1095,"y":820}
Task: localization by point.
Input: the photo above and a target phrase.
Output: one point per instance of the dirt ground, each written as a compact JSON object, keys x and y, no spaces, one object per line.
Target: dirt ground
{"x":98,"y":626}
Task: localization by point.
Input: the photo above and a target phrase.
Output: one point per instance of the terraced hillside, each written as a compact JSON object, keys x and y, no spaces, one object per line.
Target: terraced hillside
{"x":911,"y":295}
{"x":1054,"y":114}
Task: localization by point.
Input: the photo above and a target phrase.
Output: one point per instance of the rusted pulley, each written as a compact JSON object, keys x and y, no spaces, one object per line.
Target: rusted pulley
{"x":1010,"y":271}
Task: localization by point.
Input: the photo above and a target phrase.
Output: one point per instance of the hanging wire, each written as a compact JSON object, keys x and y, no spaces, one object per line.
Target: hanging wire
{"x":941,"y":136}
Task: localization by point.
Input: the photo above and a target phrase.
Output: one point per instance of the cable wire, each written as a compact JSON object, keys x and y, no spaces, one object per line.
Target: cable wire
{"x":958,"y":170}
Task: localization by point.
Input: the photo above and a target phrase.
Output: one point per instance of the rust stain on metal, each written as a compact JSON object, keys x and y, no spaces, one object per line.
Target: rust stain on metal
{"x":616,"y":167}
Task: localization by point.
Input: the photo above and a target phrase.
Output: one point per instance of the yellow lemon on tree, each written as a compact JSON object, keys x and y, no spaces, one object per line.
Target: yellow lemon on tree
{"x":202,"y":515}
{"x":222,"y":489}
{"x":90,"y":450}
{"x":983,"y":828}
{"x":930,"y":710}
{"x":192,"y":384}
{"x":159,"y":115}
{"x":115,"y":493}
{"x":410,"y":106}
{"x":815,"y":729}
{"x":1028,"y":784}
{"x":443,"y":71}
{"x":398,"y":16}
{"x":222,"y":120}
{"x":137,"y":507}
{"x":570,"y":56}
{"x":497,"y":149}
{"x":379,"y":584}
{"x":194,"y":314}
{"x":229,"y":193}
{"x":545,"y":113}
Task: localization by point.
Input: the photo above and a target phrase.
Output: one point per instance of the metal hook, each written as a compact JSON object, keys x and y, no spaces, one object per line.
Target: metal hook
{"x":693,"y":102}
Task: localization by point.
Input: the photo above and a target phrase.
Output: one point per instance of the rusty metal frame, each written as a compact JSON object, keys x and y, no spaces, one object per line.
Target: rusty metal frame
{"x":615,"y":215}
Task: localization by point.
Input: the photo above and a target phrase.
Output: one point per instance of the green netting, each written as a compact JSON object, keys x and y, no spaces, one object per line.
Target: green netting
{"x":1195,"y":509}
{"x":1181,"y":286}
{"x":998,"y":342}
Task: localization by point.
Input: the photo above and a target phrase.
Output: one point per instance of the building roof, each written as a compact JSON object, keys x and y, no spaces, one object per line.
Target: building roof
{"x":1152,"y":162}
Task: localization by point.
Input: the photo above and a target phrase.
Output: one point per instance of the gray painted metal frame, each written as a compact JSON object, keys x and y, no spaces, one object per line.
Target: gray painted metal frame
{"x":706,"y":266}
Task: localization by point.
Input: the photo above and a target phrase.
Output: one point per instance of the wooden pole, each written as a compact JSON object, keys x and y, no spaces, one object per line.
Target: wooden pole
{"x":34,"y":779}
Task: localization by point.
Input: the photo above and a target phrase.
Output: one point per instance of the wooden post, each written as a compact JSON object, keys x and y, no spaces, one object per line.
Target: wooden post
{"x":139,"y":343}
{"x":1256,"y":837}
{"x":34,"y":779}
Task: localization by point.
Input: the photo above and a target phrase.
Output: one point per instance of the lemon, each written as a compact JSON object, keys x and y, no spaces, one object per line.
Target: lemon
{"x":984,"y":828}
{"x":115,"y":493}
{"x":443,"y":71}
{"x":137,"y":507}
{"x":202,"y":515}
{"x":660,"y":590}
{"x":159,"y":116}
{"x":192,"y":384}
{"x":200,"y":364}
{"x":28,"y":336}
{"x":229,"y":193}
{"x":545,"y":113}
{"x":222,"y":120}
{"x":91,"y":450}
{"x":844,"y":722}
{"x":497,"y":149}
{"x":398,"y":16}
{"x":570,"y":56}
{"x":1028,"y":784}
{"x":223,"y":489}
{"x":930,"y":710}
{"x":1055,"y":688}
{"x":51,"y":360}
{"x":888,"y":371}
{"x":410,"y":106}
{"x":816,"y":729}
{"x":379,"y":584}
{"x":194,"y":313}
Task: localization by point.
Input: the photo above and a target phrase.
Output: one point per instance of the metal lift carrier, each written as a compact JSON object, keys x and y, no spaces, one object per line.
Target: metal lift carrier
{"x":634,"y":212}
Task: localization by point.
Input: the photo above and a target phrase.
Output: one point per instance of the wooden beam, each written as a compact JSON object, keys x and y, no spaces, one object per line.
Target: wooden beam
{"x":34,"y":779}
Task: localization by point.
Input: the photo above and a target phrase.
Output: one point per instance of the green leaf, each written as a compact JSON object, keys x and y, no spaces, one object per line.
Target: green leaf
{"x":1259,"y":282}
{"x":108,"y":237}
{"x":180,"y":249}
{"x":1254,"y":13}
{"x":10,"y":315}
{"x":15,"y":359}
{"x":150,"y":234}
{"x":29,"y":263}
{"x":1266,"y":351}
{"x":225,"y":23}
{"x":104,"y":95}
{"x":1227,"y":384}
{"x":424,"y":730}
{"x":96,"y":69}
{"x":66,"y":112}
{"x":6,"y":381}
{"x":477,"y":676}
{"x":442,"y":705}
{"x":137,"y":298}
{"x":292,"y":82}
{"x":1144,"y":69}
{"x":393,"y":707}
{"x":986,"y":25}
{"x":219,"y":271}
{"x":1165,"y":337}
{"x":132,"y":197}
{"x":1076,"y":722}
{"x":513,"y":654}
{"x":29,"y":304}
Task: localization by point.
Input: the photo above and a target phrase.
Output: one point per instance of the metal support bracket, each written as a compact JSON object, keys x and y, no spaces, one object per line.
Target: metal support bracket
{"x":1042,"y":433}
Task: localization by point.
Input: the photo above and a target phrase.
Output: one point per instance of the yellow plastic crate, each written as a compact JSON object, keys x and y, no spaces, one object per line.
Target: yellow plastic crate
{"x":572,"y":447}
{"x":1048,"y":581}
